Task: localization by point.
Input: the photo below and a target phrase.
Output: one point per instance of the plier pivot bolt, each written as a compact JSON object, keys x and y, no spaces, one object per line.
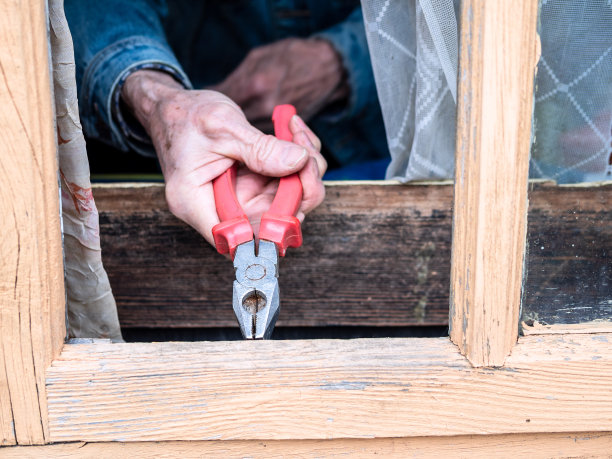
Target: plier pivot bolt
{"x":256,"y":298}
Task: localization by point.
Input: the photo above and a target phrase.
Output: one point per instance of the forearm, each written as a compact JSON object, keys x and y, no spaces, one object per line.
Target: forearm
{"x":112,"y":39}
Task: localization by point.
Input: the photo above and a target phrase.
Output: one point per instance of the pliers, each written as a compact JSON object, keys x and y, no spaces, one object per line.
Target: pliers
{"x":256,"y":299}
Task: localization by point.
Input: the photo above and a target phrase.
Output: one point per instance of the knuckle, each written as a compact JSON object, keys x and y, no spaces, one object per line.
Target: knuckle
{"x":220,"y":111}
{"x":314,"y":198}
{"x":173,"y":199}
{"x":260,"y":84}
{"x":323,"y":164}
{"x":255,"y":53}
{"x":262,"y":150}
{"x":217,"y":116}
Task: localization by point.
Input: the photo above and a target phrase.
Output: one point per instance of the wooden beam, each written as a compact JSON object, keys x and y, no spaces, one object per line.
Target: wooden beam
{"x":495,"y":103}
{"x":601,"y":326}
{"x":373,"y":255}
{"x":164,"y":275}
{"x":32,"y":309}
{"x":531,"y":446}
{"x":323,"y":389}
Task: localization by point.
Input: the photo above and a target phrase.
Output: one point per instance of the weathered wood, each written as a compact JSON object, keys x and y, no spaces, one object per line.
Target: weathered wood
{"x":528,"y":446}
{"x":372,"y":255}
{"x":601,"y":326}
{"x":31,"y":273}
{"x":495,"y":103}
{"x":561,"y":288}
{"x":321,"y":389}
{"x":164,"y":275}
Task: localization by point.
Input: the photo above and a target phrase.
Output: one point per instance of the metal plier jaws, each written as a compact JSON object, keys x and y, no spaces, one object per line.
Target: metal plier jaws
{"x":256,"y":298}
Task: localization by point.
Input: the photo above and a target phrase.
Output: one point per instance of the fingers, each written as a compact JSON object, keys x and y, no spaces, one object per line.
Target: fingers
{"x":228,"y":133}
{"x":303,"y":135}
{"x":194,"y":204}
{"x":301,"y":138}
{"x":267,"y":155}
{"x":313,"y":189}
{"x":297,"y":124}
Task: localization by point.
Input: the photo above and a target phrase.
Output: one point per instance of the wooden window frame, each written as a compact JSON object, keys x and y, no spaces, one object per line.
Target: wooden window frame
{"x":300,"y":391}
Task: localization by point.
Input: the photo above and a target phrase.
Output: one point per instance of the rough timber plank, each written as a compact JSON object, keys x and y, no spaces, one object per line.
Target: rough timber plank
{"x":31,"y":272}
{"x":323,"y":389}
{"x":379,"y":253}
{"x":517,"y":446}
{"x":535,"y":328}
{"x":164,"y":275}
{"x":495,"y":103}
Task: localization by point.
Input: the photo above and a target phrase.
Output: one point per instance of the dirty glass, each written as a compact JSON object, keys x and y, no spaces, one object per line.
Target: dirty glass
{"x":569,"y":260}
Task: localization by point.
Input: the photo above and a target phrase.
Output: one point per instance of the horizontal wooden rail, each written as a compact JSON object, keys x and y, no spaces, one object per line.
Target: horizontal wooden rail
{"x":323,"y":389}
{"x":517,"y":446}
{"x":373,"y":254}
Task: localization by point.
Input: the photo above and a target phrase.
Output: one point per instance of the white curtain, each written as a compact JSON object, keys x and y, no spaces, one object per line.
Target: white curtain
{"x":414,"y":49}
{"x":91,"y":309}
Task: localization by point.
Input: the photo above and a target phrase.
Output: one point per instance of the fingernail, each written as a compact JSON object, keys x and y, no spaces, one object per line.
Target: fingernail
{"x":291,"y":159}
{"x":300,"y":122}
{"x":310,"y":144}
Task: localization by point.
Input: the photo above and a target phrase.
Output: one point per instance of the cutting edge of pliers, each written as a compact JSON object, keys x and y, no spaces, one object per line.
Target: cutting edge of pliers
{"x":256,"y":298}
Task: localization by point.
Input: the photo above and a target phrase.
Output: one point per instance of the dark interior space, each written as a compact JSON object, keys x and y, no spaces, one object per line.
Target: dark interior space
{"x":281,"y":333}
{"x":106,"y":160}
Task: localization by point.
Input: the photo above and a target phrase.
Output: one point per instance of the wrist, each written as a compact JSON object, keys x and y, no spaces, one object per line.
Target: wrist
{"x":329,"y":53}
{"x":144,"y":90}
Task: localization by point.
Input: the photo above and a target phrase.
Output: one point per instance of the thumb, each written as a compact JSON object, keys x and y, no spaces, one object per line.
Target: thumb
{"x":267,"y":155}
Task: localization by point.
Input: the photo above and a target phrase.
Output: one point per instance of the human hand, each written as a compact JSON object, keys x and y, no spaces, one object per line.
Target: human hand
{"x":306,"y":73}
{"x":198,"y":135}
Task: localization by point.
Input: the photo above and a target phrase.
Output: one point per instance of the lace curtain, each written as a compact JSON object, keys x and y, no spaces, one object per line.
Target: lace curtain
{"x":414,"y":49}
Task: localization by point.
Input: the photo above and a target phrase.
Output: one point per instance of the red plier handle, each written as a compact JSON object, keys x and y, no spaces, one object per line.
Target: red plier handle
{"x":279,"y":223}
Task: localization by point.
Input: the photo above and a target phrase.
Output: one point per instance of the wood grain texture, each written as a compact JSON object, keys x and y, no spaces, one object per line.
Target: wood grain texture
{"x":601,"y":326}
{"x":528,"y":446}
{"x":372,"y":255}
{"x":495,"y":103}
{"x":31,"y":273}
{"x":164,"y":275}
{"x":322,"y":389}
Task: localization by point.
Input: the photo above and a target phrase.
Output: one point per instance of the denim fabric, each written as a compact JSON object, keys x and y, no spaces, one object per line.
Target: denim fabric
{"x":200,"y":43}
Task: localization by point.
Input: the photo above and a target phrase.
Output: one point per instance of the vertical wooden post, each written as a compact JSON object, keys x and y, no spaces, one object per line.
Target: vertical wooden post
{"x":495,"y":101}
{"x":32,"y":304}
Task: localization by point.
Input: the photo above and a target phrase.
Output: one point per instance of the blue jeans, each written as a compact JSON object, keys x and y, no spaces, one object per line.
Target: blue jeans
{"x":200,"y":43}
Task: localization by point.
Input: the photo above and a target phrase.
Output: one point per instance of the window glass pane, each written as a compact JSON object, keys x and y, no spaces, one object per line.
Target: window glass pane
{"x":569,"y":267}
